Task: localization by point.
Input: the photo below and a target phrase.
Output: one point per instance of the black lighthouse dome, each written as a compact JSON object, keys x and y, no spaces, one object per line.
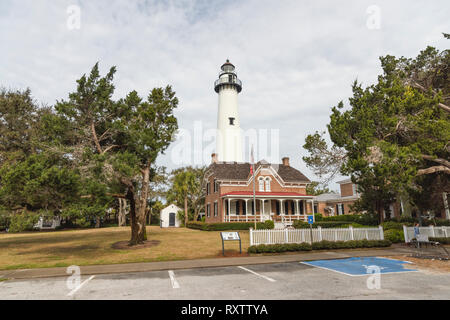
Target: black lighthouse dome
{"x":228,"y":78}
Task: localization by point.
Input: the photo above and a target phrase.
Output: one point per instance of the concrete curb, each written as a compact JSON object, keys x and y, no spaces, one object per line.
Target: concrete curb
{"x":199,"y":263}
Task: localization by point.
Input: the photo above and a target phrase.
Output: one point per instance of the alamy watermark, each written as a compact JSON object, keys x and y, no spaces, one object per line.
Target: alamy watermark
{"x":195,"y":146}
{"x":74,"y":17}
{"x":374,"y":280}
{"x":373,"y":21}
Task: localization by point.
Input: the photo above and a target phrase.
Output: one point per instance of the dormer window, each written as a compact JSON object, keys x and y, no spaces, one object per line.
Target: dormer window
{"x":261,"y":184}
{"x":231,"y":121}
{"x":264,"y":184}
{"x":267,"y":184}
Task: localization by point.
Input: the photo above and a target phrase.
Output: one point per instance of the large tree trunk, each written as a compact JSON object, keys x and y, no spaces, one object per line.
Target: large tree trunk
{"x":122,"y":212}
{"x":133,"y":217}
{"x":138,"y":206}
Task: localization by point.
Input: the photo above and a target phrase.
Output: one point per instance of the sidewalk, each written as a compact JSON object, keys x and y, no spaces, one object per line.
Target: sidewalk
{"x":201,"y":263}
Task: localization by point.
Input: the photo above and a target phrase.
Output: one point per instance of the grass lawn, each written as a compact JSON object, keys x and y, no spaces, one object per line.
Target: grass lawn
{"x":94,"y":246}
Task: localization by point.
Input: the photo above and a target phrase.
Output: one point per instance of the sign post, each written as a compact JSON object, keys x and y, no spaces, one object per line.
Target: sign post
{"x":311,"y":221}
{"x":230,"y":236}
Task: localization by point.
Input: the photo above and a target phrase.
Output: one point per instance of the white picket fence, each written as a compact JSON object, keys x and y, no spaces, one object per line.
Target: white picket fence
{"x":277,"y":236}
{"x":431,"y":231}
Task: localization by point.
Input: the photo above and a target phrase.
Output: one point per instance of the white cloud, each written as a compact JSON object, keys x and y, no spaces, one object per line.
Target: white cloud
{"x":296,"y":58}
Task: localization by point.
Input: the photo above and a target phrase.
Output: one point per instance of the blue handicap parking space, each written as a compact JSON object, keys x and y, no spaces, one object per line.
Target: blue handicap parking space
{"x":362,"y":265}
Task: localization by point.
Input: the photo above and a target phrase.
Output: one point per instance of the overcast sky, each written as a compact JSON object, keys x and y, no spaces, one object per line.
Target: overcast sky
{"x":296,"y":59}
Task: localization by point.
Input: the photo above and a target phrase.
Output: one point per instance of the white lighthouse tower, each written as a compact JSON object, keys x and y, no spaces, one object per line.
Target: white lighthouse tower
{"x":229,"y":139}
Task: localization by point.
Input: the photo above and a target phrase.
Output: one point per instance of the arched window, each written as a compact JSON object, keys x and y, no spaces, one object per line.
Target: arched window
{"x":267,"y":184}
{"x":261,"y":183}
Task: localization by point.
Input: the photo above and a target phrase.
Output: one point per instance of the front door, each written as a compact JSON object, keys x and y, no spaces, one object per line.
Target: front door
{"x":171,"y":219}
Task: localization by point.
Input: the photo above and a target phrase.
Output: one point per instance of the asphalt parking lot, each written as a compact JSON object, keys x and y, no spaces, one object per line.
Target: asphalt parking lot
{"x":291,"y":280}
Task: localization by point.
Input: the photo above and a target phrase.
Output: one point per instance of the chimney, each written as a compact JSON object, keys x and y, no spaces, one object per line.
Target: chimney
{"x":285,"y":161}
{"x":214,"y":158}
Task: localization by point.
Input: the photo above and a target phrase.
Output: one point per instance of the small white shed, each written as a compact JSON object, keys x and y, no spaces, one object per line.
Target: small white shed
{"x":168,"y":217}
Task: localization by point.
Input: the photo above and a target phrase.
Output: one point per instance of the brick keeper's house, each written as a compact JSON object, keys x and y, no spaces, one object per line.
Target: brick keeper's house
{"x":280,"y":192}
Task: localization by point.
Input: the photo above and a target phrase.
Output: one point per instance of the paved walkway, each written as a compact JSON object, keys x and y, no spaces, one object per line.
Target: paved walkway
{"x":201,"y":263}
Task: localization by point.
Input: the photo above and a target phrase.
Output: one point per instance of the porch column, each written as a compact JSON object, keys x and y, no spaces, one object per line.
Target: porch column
{"x":261,"y":210}
{"x":297,"y":207}
{"x":229,"y":213}
{"x":281,"y":207}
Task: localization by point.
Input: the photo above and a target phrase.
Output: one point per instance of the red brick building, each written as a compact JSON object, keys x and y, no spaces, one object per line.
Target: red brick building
{"x":280,"y":192}
{"x":333,"y":204}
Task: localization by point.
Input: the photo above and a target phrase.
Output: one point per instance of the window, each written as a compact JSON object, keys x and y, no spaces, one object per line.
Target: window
{"x":340,"y":209}
{"x":215,"y":209}
{"x":292,"y":207}
{"x":277,"y":207}
{"x":231,"y":121}
{"x":237,"y":207}
{"x":216,"y":186}
{"x":207,"y":188}
{"x":244,"y":208}
{"x":268,"y":184}
{"x":301,"y":207}
{"x":286,"y":207}
{"x":253,"y":207}
{"x":261,"y":184}
{"x":208,"y":210}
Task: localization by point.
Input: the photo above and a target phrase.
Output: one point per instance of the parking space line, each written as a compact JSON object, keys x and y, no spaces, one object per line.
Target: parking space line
{"x":259,"y":275}
{"x":71,"y":293}
{"x":173,"y":281}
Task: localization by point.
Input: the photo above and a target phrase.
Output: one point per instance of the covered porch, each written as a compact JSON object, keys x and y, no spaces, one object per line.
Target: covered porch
{"x":283,"y":207}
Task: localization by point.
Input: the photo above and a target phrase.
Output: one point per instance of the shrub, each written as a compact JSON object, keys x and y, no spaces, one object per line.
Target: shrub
{"x":299,"y":224}
{"x":322,"y":245}
{"x":440,"y":240}
{"x":392,"y":225}
{"x":442,"y":222}
{"x":269,"y":224}
{"x":23,"y":221}
{"x":364,"y":219}
{"x":394,"y":235}
{"x":318,"y":217}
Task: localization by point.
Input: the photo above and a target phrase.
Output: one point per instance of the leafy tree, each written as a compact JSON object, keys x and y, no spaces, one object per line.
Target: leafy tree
{"x":33,"y":176}
{"x":115,"y":143}
{"x":187,"y":190}
{"x":314,"y":188}
{"x":18,"y":119}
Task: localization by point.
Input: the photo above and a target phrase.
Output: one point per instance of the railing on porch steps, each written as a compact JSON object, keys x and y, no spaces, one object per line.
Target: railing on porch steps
{"x":287,"y":220}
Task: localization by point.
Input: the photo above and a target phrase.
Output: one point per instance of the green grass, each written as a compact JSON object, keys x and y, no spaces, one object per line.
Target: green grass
{"x":93,"y":246}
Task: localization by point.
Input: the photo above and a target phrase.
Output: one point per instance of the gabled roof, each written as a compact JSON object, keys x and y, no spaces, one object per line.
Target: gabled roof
{"x":241,"y":171}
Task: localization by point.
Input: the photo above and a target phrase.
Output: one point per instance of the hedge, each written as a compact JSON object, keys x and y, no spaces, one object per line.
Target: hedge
{"x":392,"y":225}
{"x":363,"y":219}
{"x":440,"y":240}
{"x":298,"y":224}
{"x":222,"y":226}
{"x":322,"y":245}
{"x":394,"y":235}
